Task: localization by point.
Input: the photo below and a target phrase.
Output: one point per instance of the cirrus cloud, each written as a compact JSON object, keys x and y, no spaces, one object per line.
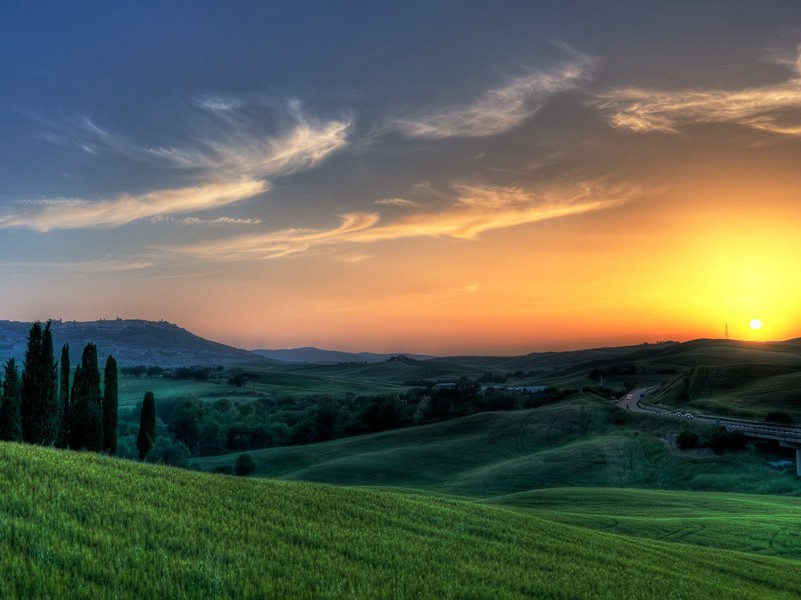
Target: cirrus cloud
{"x":498,"y":109}
{"x":46,"y":215}
{"x":765,"y":108}
{"x":474,"y":210}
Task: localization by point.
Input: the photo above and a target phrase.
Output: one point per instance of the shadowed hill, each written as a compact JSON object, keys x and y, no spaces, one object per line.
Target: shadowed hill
{"x":319,"y":355}
{"x":582,"y":441}
{"x":749,"y":391}
{"x":131,"y":341}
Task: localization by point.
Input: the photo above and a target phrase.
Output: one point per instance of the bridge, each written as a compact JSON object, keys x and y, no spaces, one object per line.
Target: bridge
{"x":788,"y":436}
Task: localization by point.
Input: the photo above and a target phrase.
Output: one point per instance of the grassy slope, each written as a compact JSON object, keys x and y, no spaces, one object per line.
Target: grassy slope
{"x":746,"y":522}
{"x":572,"y":443}
{"x":83,"y":526}
{"x":748,"y":391}
{"x":280,"y":380}
{"x":663,"y":362}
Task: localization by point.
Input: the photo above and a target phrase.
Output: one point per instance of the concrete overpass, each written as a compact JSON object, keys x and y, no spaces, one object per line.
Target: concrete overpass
{"x":788,"y":436}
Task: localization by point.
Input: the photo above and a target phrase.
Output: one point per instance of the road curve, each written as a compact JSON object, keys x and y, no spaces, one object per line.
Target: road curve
{"x":790,"y":434}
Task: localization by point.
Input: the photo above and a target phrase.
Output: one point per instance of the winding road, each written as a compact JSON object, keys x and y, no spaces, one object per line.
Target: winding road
{"x":788,"y":435}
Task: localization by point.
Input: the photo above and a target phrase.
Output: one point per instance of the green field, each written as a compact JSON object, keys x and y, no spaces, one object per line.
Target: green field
{"x":284,"y":381}
{"x":745,"y":522}
{"x":84,"y":526}
{"x":577,"y":498}
{"x":582,"y":441}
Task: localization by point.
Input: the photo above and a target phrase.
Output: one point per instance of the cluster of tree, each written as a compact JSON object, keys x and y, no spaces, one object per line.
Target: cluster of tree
{"x":41,"y":407}
{"x":143,"y":370}
{"x":201,"y":428}
{"x":720,"y":441}
{"x":244,"y":465}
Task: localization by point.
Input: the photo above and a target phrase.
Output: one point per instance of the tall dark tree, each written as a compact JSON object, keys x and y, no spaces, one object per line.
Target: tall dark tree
{"x":147,"y":425}
{"x":41,"y":416}
{"x":10,"y":414}
{"x":64,"y":397}
{"x":86,"y":411}
{"x":110,"y":402}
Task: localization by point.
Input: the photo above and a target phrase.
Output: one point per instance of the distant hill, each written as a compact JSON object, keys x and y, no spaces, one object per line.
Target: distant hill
{"x":131,"y":341}
{"x":319,"y":355}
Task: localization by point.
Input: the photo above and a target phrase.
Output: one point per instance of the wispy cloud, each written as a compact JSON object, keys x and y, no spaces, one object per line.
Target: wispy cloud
{"x":474,"y":210}
{"x":402,"y":202}
{"x":201,"y":221}
{"x":229,"y":161}
{"x":498,"y":109}
{"x":238,"y":152}
{"x":102,"y":265}
{"x":216,"y":103}
{"x":46,"y":215}
{"x":764,"y":107}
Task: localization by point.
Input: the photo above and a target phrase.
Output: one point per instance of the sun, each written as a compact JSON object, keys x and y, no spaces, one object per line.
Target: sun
{"x":755,"y":324}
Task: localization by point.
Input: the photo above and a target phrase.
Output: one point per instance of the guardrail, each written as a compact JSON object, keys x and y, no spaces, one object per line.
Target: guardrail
{"x":782,"y":432}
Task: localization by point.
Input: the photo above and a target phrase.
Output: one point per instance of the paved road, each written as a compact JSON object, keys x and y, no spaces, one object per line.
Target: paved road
{"x":791,"y":434}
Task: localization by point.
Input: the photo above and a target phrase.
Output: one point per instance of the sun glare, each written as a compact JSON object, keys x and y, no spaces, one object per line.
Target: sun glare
{"x":755,"y":324}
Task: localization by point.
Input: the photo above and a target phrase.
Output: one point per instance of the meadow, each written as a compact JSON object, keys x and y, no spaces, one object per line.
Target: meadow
{"x":581,"y":441}
{"x":81,"y":525}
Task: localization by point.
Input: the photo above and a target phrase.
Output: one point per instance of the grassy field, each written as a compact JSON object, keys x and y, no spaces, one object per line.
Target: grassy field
{"x":85,"y":526}
{"x":284,"y":381}
{"x":745,"y":522}
{"x":583,"y":441}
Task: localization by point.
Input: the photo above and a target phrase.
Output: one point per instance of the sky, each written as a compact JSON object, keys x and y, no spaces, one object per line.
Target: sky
{"x":437,"y":177}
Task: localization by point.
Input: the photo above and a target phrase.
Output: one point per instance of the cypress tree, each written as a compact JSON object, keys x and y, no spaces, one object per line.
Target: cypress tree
{"x":147,"y":425}
{"x":78,"y":411}
{"x":64,"y":396}
{"x":39,"y":402}
{"x":10,"y":414}
{"x":86,"y":426}
{"x":110,"y":401}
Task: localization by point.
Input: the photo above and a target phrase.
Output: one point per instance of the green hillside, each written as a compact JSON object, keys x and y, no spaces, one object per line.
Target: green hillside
{"x":745,"y":522}
{"x":749,"y":391}
{"x":582,"y":441}
{"x":734,"y":365}
{"x":85,"y":526}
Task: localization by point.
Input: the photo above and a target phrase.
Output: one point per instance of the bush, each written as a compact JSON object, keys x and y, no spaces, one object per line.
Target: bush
{"x":779,"y":417}
{"x":727,"y":440}
{"x":244,"y":465}
{"x":167,"y":453}
{"x":687,"y":440}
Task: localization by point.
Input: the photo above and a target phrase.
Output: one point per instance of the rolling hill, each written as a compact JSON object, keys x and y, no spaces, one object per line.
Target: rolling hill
{"x":80,"y":525}
{"x":582,"y":441}
{"x":318,"y":355}
{"x":131,"y":341}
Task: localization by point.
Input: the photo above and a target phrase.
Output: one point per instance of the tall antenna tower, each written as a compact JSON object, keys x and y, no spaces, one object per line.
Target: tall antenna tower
{"x":726,"y":330}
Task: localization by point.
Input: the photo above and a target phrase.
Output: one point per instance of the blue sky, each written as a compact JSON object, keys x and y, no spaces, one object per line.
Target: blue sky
{"x":371,"y":175}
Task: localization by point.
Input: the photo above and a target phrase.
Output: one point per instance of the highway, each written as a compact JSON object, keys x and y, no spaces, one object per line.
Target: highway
{"x":787,"y":434}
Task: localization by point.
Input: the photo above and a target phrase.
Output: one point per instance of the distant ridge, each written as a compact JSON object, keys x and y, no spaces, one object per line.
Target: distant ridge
{"x":319,"y":355}
{"x":131,"y":341}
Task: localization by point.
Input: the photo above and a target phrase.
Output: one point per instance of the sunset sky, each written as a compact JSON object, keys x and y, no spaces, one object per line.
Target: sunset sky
{"x":470,"y":177}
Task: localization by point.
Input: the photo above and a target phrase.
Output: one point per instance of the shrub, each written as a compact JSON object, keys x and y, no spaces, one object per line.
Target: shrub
{"x":723,"y":440}
{"x":686,"y":440}
{"x":167,"y":453}
{"x":779,"y":417}
{"x":244,"y":465}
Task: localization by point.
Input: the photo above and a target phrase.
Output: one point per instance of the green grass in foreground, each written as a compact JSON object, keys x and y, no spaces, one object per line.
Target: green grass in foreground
{"x":86,"y":526}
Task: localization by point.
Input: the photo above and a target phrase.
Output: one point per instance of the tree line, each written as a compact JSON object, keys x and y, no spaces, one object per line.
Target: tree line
{"x":49,"y":405}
